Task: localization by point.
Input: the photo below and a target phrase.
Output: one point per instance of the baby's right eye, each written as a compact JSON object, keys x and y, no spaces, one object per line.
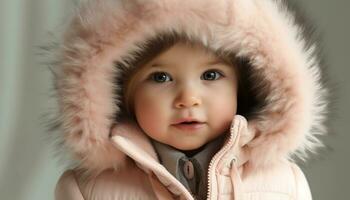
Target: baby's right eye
{"x":160,"y":77}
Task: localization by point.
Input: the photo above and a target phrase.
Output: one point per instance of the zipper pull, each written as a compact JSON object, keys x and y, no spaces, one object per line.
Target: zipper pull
{"x":234,"y":160}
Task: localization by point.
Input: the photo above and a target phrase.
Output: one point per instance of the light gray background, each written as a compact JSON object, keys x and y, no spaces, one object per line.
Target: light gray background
{"x":28,"y":169}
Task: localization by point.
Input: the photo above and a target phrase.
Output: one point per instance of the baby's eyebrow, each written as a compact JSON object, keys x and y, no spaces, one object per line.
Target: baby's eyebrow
{"x":158,"y":65}
{"x":218,"y":61}
{"x":215,"y":62}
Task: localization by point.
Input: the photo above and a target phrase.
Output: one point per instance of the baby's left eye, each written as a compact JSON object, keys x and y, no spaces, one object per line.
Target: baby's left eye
{"x":211,"y":75}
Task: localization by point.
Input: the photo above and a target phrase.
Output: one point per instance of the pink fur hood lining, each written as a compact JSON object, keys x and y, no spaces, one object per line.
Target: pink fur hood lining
{"x":105,"y":31}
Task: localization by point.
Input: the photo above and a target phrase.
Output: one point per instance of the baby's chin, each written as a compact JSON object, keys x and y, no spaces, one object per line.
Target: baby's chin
{"x":189,"y":146}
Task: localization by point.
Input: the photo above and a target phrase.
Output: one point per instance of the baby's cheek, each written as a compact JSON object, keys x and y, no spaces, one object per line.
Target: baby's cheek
{"x":226,"y":103}
{"x":149,"y":116}
{"x":224,"y":110}
{"x":146,"y":114}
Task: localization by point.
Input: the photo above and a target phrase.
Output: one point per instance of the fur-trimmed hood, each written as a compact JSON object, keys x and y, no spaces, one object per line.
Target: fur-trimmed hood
{"x":104,"y":32}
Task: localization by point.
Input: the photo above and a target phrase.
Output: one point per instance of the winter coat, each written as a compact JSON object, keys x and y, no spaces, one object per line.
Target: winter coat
{"x":146,"y":178}
{"x":114,"y":159}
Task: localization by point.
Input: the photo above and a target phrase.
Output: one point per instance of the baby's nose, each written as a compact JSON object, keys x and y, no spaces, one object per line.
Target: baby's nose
{"x":188,"y":102}
{"x":188,"y":97}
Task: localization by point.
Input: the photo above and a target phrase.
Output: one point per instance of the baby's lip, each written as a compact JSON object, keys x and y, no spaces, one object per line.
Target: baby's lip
{"x":193,"y":125}
{"x":184,"y":120}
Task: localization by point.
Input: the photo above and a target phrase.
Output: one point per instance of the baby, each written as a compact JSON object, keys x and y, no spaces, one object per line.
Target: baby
{"x":195,"y":104}
{"x":198,"y":100}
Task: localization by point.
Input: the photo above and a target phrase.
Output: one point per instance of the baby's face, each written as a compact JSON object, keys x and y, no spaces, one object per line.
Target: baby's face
{"x":185,"y":83}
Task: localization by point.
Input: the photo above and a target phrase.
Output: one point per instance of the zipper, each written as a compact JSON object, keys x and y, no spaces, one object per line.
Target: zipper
{"x":232,"y":138}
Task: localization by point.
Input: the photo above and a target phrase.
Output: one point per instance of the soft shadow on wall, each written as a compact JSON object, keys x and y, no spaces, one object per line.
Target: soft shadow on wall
{"x":27,"y":167}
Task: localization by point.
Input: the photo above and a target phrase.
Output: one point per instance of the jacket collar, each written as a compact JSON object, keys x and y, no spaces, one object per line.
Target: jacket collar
{"x":134,"y":143}
{"x":170,"y":157}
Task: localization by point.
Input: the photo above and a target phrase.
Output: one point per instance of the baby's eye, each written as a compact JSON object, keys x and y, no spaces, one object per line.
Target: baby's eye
{"x":211,"y":75}
{"x":160,"y":77}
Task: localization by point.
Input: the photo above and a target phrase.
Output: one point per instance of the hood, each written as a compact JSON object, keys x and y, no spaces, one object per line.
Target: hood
{"x":104,"y":32}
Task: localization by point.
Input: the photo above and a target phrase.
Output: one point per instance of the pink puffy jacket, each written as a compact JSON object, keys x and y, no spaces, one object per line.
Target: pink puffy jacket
{"x":113,"y":159}
{"x":145,"y":178}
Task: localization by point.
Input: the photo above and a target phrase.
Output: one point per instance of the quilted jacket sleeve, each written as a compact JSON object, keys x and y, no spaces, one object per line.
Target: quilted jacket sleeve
{"x":302,"y":187}
{"x":67,"y":187}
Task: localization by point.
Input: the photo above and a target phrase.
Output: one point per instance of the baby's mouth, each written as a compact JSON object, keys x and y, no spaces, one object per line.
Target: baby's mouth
{"x":194,"y":122}
{"x":189,"y":125}
{"x":187,"y":121}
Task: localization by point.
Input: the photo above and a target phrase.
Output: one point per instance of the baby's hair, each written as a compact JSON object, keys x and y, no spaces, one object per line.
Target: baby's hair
{"x":246,"y":100}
